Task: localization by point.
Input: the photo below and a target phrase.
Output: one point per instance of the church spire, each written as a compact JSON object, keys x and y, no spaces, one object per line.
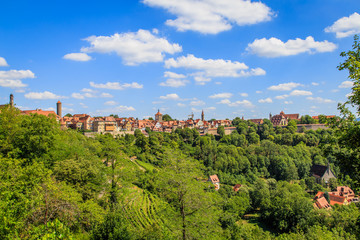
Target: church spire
{"x":202,"y":115}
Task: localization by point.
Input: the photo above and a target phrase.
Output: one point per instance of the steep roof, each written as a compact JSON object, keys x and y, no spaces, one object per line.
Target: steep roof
{"x":214,"y":179}
{"x":318,"y":170}
{"x":322,"y":203}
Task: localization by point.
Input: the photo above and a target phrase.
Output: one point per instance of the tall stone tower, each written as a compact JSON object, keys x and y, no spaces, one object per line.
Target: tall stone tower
{"x":158,"y":116}
{"x":202,"y":115}
{"x":11,"y":100}
{"x":58,"y":109}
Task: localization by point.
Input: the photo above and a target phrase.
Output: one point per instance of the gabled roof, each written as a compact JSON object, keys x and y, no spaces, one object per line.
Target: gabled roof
{"x":318,"y":170}
{"x":322,"y":203}
{"x":336,"y":199}
{"x":214,"y":179}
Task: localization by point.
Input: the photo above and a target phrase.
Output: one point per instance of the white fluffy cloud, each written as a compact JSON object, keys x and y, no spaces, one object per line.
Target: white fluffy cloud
{"x":213,"y":67}
{"x":212,"y":16}
{"x":3,"y":62}
{"x":300,"y":93}
{"x":346,"y":26}
{"x":116,"y":85}
{"x":42,"y":95}
{"x":288,"y":102}
{"x":315,"y":84}
{"x":173,"y":75}
{"x":346,"y":84}
{"x":134,"y":47}
{"x":171,"y":96}
{"x":174,"y":83}
{"x":284,"y":86}
{"x":320,"y":100}
{"x":16,"y":74}
{"x":266,"y":100}
{"x":13,"y":78}
{"x":80,"y":57}
{"x":201,"y":80}
{"x":244,"y":103}
{"x":221,"y":95}
{"x":244,"y":94}
{"x":274,"y":47}
{"x":282,"y":96}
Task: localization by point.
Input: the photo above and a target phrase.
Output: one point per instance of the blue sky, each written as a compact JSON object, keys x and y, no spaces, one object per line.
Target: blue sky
{"x":229,"y":57}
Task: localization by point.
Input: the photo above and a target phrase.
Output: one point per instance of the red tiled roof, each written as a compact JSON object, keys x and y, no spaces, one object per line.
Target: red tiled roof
{"x":322,"y":203}
{"x":214,"y":179}
{"x":336,"y":199}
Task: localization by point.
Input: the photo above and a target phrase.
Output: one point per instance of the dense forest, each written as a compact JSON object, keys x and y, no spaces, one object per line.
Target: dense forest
{"x":59,"y":184}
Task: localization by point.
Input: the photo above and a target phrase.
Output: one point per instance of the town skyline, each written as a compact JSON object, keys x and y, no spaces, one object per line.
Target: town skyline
{"x":136,"y":57}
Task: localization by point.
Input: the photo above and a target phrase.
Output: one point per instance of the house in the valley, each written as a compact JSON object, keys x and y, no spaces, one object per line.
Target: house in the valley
{"x":322,"y":173}
{"x":215,"y":180}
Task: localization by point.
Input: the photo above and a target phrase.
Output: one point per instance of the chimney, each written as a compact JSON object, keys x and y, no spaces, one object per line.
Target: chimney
{"x":11,"y":100}
{"x":58,"y":109}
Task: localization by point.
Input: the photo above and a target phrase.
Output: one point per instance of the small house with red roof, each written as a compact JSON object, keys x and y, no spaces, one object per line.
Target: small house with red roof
{"x":215,"y":180}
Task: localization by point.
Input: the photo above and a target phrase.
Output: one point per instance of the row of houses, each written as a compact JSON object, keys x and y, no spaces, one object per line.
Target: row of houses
{"x":112,"y":124}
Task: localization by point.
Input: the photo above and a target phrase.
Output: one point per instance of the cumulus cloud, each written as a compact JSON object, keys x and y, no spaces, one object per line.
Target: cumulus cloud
{"x":13,"y":78}
{"x":244,"y":103}
{"x":284,"y":86}
{"x":79,"y":57}
{"x":258,"y":92}
{"x":346,"y":84}
{"x":300,"y":93}
{"x":116,"y":85}
{"x":212,"y":16}
{"x":244,"y":94}
{"x":42,"y":95}
{"x":201,"y":80}
{"x":266,"y":100}
{"x":274,"y":47}
{"x":282,"y":96}
{"x":133,"y":47}
{"x":16,"y":74}
{"x":173,"y":75}
{"x":171,"y":96}
{"x":320,"y":100}
{"x":288,"y":102}
{"x":3,"y":62}
{"x":214,"y":67}
{"x":315,"y":84}
{"x":174,"y":83}
{"x":221,"y":95}
{"x":346,"y":26}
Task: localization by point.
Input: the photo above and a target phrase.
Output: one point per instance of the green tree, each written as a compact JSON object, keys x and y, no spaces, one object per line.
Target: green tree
{"x":192,"y":212}
{"x":166,"y":117}
{"x":221,"y":131}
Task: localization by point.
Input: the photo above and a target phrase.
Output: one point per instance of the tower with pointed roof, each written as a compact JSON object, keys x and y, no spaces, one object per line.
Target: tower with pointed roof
{"x":158,"y":116}
{"x":58,"y":109}
{"x":202,"y":115}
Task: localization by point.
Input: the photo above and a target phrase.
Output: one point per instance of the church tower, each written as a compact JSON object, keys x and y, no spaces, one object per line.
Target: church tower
{"x":158,"y":116}
{"x":11,"y":100}
{"x":202,"y":115}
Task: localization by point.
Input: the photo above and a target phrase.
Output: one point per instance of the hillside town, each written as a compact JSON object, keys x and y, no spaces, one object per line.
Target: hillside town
{"x":127,"y":125}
